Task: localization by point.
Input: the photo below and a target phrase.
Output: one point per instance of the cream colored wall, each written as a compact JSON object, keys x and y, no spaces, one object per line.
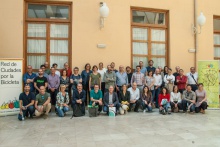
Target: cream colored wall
{"x":86,"y":33}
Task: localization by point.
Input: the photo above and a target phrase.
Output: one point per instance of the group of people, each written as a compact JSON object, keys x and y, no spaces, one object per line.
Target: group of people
{"x":144,"y":88}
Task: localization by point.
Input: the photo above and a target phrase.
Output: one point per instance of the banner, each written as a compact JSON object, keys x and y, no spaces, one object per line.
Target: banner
{"x":209,"y":75}
{"x":10,"y":85}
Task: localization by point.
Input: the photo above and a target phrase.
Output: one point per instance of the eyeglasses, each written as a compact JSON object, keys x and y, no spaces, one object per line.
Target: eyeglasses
{"x":26,"y":84}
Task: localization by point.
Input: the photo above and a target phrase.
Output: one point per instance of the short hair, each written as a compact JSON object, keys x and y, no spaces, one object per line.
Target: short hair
{"x":170,"y":69}
{"x":65,"y":63}
{"x":141,"y":61}
{"x":79,"y":84}
{"x":54,"y":65}
{"x":200,"y":84}
{"x":111,"y":86}
{"x":189,"y":85}
{"x":96,"y":85}
{"x":150,"y":61}
{"x":94,"y":66}
{"x":192,"y":67}
{"x":42,"y":66}
{"x":100,"y":63}
{"x":87,"y":65}
{"x":138,"y":66}
{"x":27,"y":84}
{"x":181,"y":70}
{"x":76,"y":68}
{"x":128,"y":67}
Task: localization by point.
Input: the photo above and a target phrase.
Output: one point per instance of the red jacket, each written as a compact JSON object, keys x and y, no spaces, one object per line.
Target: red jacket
{"x":161,"y":96}
{"x":181,"y":84}
{"x":68,"y":74}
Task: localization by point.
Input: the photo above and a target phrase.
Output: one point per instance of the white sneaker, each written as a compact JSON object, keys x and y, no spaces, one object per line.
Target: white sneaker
{"x":144,"y":111}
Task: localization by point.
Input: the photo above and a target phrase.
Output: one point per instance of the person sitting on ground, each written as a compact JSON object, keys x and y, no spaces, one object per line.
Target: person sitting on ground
{"x":188,"y":99}
{"x":96,"y":97}
{"x":26,"y":100}
{"x":164,"y":101}
{"x":175,"y":99}
{"x":62,"y":101}
{"x":147,"y":99}
{"x":124,"y":99}
{"x":78,"y":99}
{"x":110,"y":100}
{"x":42,"y":103}
{"x":201,"y":103}
{"x":134,"y":97}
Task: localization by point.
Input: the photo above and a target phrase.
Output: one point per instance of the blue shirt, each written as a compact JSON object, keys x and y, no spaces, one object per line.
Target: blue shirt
{"x":85,"y":77}
{"x":75,"y":80}
{"x":144,"y":70}
{"x":121,"y":78}
{"x":151,"y":69}
{"x":27,"y":76}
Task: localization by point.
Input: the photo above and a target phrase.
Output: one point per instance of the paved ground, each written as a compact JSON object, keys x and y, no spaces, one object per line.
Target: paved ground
{"x":131,"y":130}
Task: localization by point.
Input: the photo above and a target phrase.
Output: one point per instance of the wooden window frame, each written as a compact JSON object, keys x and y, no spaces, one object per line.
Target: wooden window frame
{"x":149,"y":27}
{"x":48,"y":22}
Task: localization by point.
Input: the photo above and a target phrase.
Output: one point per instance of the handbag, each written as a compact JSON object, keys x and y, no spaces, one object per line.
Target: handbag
{"x":77,"y":110}
{"x":16,"y":103}
{"x":163,"y":102}
{"x":93,"y":111}
{"x":11,"y":105}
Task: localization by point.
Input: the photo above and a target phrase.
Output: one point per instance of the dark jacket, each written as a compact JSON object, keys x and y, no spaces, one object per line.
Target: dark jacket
{"x":114,"y":98}
{"x":123,"y":97}
{"x":77,"y":96}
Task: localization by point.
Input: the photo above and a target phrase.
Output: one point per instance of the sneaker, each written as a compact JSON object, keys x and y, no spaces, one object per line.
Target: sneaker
{"x":144,"y":111}
{"x":184,"y":111}
{"x":45,"y":116}
{"x":98,"y":113}
{"x":169,"y":112}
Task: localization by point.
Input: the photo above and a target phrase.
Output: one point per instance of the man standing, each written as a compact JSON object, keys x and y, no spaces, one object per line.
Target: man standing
{"x":129,"y":74}
{"x":109,"y":78}
{"x":96,"y":97}
{"x":40,"y":81}
{"x":79,"y":97}
{"x":193,"y":78}
{"x":110,"y":100}
{"x":157,"y":84}
{"x":150,"y":66}
{"x":143,"y":69}
{"x":121,"y":78}
{"x":188,"y":100}
{"x":28,"y":78}
{"x":177,"y":73}
{"x":47,"y":68}
{"x":53,"y":85}
{"x":181,"y":81}
{"x":69,"y":71}
{"x":134,"y":97}
{"x":138,"y":78}
{"x":26,"y":101}
{"x":113,"y":67}
{"x":102,"y":72}
{"x":42,"y":104}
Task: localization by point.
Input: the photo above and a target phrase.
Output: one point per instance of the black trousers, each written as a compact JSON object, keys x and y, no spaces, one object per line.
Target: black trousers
{"x":100,"y":106}
{"x":179,"y":105}
{"x":202,"y":106}
{"x":86,"y":88}
{"x":53,"y":96}
{"x":103,"y":88}
{"x":137,"y":105}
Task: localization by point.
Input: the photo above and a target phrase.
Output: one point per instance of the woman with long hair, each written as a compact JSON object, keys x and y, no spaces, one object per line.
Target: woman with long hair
{"x":175,"y":99}
{"x":95,"y":78}
{"x":164,"y":101}
{"x":124,"y":99}
{"x":147,"y":99}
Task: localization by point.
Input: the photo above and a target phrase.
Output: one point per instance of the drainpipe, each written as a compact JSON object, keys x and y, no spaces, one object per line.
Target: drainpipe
{"x":195,"y":34}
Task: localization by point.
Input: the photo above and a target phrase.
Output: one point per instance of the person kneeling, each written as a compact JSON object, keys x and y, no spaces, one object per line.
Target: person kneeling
{"x":96,"y":97}
{"x":42,"y":104}
{"x":124,"y":99}
{"x":175,"y":100}
{"x":78,"y":102}
{"x":201,"y":103}
{"x":110,"y":100}
{"x":188,"y":101}
{"x":62,"y":101}
{"x":26,"y":100}
{"x":164,"y":101}
{"x":147,"y":99}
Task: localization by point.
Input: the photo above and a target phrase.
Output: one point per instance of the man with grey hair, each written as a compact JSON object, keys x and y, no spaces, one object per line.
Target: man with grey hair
{"x":157,"y":84}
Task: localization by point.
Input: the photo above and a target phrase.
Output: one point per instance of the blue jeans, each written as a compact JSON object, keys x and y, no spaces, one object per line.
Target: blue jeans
{"x":185,"y":105}
{"x":149,"y":108}
{"x":62,"y":111}
{"x":29,"y":110}
{"x":166,"y":106}
{"x":157,"y":92}
{"x":105,"y":108}
{"x":153,"y":94}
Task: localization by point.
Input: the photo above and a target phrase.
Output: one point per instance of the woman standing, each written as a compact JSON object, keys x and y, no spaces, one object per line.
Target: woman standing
{"x":175,"y":99}
{"x":95,"y":78}
{"x":65,"y":80}
{"x":201,"y":103}
{"x":85,"y":79}
{"x":147,"y":99}
{"x":62,"y":101}
{"x":164,"y":101}
{"x":102,"y":72}
{"x":150,"y":80}
{"x":75,"y":78}
{"x":169,"y":80}
{"x":124,"y":99}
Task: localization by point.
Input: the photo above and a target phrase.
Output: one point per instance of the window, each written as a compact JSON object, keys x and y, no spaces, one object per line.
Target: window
{"x":149,"y":37}
{"x":48,"y":34}
{"x":216,"y":38}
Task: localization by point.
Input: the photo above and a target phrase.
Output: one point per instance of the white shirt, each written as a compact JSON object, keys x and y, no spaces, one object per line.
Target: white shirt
{"x":57,"y":73}
{"x":158,"y":80}
{"x":190,"y":79}
{"x":175,"y":97}
{"x":134,"y":94}
{"x":102,"y":72}
{"x":167,"y":77}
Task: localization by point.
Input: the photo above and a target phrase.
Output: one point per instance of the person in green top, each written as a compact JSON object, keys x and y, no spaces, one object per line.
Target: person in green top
{"x":96,"y":97}
{"x":42,"y":103}
{"x":95,"y":78}
{"x":47,"y":68}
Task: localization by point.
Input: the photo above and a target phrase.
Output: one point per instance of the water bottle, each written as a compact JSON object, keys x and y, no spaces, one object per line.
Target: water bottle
{"x":22,"y":117}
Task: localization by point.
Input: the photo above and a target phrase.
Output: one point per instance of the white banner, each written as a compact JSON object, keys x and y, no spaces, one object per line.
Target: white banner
{"x":10,"y":85}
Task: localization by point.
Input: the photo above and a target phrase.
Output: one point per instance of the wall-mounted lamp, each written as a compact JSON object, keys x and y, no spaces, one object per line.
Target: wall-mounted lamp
{"x":201,"y":19}
{"x":104,"y":11}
